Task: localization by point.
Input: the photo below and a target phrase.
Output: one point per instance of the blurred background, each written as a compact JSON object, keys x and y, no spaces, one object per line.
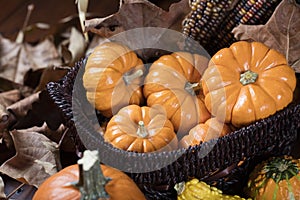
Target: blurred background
{"x":13,"y":14}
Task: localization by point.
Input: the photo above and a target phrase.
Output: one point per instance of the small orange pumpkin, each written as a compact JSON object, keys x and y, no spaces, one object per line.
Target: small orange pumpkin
{"x":173,"y":82}
{"x":141,"y":129}
{"x":203,"y":132}
{"x":72,"y":182}
{"x":247,"y":82}
{"x":112,"y":78}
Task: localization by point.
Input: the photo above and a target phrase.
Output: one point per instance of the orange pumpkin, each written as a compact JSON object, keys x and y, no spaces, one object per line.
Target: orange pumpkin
{"x":203,"y":132}
{"x":61,"y":186}
{"x":141,"y":129}
{"x":173,"y":82}
{"x":112,"y":78}
{"x":247,"y":82}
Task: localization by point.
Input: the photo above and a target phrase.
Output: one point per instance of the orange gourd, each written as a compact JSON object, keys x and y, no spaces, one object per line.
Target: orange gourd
{"x":203,"y":132}
{"x":141,"y":129}
{"x":247,"y":82}
{"x":112,"y":78}
{"x":173,"y":81}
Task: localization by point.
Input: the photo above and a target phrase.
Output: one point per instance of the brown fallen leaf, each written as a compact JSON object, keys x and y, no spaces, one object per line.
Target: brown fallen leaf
{"x":7,"y":85}
{"x":2,"y":193}
{"x":10,"y":97}
{"x":35,"y":110}
{"x":7,"y":148}
{"x":36,"y":158}
{"x":82,"y":6}
{"x":6,"y":99}
{"x":64,"y":141}
{"x":73,"y":47}
{"x":134,"y":14}
{"x":281,"y":32}
{"x":38,"y":79}
{"x":139,"y":13}
{"x":21,"y":108}
{"x":17,"y":58}
{"x":5,"y":117}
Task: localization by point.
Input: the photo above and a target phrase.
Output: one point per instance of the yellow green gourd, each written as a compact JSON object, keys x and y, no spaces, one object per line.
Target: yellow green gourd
{"x":198,"y":190}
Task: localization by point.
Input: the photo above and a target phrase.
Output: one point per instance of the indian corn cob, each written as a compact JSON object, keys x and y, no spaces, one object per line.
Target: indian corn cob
{"x":204,"y":19}
{"x":210,"y":22}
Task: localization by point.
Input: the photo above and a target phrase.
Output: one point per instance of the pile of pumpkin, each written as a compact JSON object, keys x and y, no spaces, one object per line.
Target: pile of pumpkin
{"x":184,"y":99}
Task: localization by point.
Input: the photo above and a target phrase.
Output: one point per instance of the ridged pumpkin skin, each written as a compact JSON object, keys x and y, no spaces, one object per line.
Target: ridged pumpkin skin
{"x":247,"y":82}
{"x":107,"y":78}
{"x":203,"y":132}
{"x":156,"y":134}
{"x":262,"y":185}
{"x":57,"y":186}
{"x":168,"y":84}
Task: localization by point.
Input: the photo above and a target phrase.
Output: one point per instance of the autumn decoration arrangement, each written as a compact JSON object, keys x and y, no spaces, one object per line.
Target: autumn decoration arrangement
{"x":239,"y":98}
{"x":241,"y":84}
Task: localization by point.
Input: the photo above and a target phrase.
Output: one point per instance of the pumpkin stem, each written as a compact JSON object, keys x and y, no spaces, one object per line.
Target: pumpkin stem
{"x":180,"y":187}
{"x":281,"y":168}
{"x":248,"y":77}
{"x":128,"y":77}
{"x":91,"y":182}
{"x":142,"y":131}
{"x":192,"y":88}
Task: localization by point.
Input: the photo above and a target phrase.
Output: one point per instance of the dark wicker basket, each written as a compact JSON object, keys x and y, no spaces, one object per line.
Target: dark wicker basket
{"x":271,"y":136}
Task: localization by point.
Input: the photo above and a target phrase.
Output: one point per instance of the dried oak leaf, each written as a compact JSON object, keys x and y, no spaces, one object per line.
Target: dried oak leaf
{"x":281,"y":32}
{"x":139,"y":13}
{"x":134,"y":14}
{"x":8,"y":85}
{"x":2,"y":193}
{"x":73,"y":47}
{"x":7,"y":98}
{"x":65,"y":141}
{"x":21,"y":108}
{"x":7,"y":149}
{"x":38,"y":79}
{"x":36,"y":158}
{"x":35,"y":110}
{"x":17,"y":58}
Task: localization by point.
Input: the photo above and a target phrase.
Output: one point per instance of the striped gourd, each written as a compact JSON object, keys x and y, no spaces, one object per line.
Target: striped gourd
{"x":277,"y":179}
